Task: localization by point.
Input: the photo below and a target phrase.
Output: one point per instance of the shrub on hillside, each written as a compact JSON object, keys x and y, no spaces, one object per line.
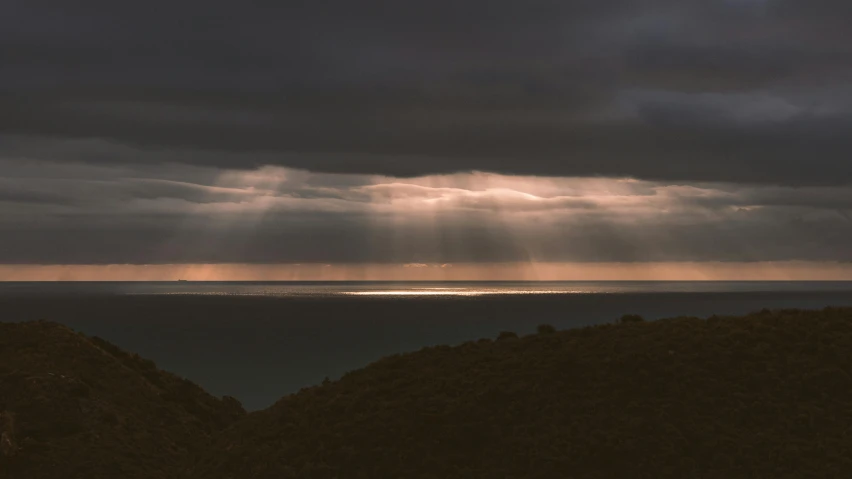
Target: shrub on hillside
{"x":546,"y":329}
{"x":631,"y":318}
{"x":507,"y":335}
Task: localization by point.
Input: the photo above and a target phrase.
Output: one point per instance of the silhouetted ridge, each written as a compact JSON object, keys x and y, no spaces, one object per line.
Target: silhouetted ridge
{"x":75,"y":407}
{"x":766,"y":395}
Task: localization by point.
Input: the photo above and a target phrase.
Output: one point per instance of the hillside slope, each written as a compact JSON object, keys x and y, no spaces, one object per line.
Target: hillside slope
{"x":766,"y":395}
{"x":78,"y":407}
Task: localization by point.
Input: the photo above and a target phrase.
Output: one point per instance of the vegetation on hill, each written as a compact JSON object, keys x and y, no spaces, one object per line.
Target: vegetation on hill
{"x":764,"y":395}
{"x":78,"y":407}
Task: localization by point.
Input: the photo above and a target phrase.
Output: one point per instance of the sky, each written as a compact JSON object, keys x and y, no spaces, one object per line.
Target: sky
{"x":569,"y":139}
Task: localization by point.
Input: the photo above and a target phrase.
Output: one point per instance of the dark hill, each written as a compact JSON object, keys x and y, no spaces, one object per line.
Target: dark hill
{"x":77,"y":407}
{"x":766,"y":395}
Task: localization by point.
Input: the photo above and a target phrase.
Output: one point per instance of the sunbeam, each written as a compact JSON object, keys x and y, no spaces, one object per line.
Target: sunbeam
{"x":425,"y":227}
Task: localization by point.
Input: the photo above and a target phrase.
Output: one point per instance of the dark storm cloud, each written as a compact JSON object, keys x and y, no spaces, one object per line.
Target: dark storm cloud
{"x":754,"y":91}
{"x":143,"y":132}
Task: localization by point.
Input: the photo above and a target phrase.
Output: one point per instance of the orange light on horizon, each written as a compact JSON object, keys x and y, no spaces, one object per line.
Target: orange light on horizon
{"x":541,"y":271}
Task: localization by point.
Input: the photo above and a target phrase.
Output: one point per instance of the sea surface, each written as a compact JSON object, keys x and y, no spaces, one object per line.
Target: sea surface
{"x":316,"y":289}
{"x":258,"y":341}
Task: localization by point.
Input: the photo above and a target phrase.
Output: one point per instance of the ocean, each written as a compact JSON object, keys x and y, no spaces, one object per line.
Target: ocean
{"x":258,"y":341}
{"x":390,"y":289}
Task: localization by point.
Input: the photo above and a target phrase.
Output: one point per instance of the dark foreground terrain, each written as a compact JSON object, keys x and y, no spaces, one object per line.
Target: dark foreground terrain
{"x":763,"y":395}
{"x":77,"y":407}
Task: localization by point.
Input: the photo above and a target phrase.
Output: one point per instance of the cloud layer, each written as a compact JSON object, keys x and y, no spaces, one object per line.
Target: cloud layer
{"x":60,"y":213}
{"x":425,"y":133}
{"x":736,"y":91}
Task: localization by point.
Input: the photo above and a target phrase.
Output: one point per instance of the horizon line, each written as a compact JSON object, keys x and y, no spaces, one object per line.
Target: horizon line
{"x":445,"y":272}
